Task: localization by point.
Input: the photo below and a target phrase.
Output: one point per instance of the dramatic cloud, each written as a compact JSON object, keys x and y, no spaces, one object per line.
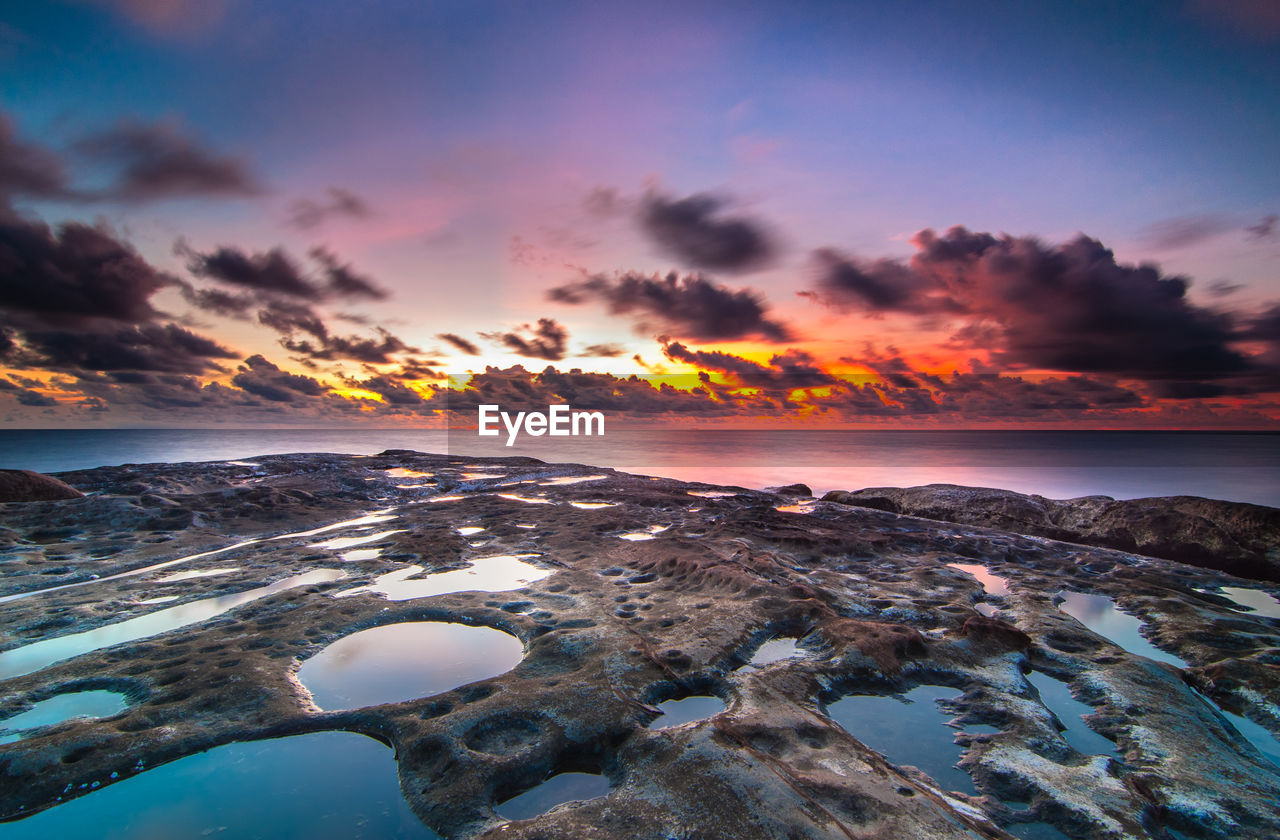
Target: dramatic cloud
{"x":264,"y":379}
{"x":155,"y":161}
{"x":1069,"y":307}
{"x":545,"y":341}
{"x":460,"y":343}
{"x":333,"y":347}
{"x":306,"y":214}
{"x":74,"y":275}
{"x":275,"y":272}
{"x":691,"y":230}
{"x":27,"y":169}
{"x":690,"y":307}
{"x":148,"y":347}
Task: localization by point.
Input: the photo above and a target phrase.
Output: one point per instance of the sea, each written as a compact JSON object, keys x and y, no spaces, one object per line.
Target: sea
{"x":1236,"y":466}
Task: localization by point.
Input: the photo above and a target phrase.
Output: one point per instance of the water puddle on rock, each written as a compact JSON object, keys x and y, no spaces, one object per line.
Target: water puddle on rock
{"x":358,"y":554}
{"x":33,"y":657}
{"x":403,"y":472}
{"x":195,"y":573}
{"x":1257,"y":735}
{"x":992,"y":583}
{"x":560,"y":788}
{"x":480,"y":476}
{"x":592,"y":505}
{"x":60,"y":708}
{"x":1099,"y":614}
{"x":327,"y":785}
{"x":647,"y":534}
{"x":710,"y":494}
{"x":338,"y":543}
{"x":469,"y":530}
{"x":907,"y":730}
{"x":1255,"y":601}
{"x":528,"y":501}
{"x":398,"y":662}
{"x":798,"y":507}
{"x":499,"y":573}
{"x":565,"y":480}
{"x":774,"y":650}
{"x":989,"y":610}
{"x":1056,"y":697}
{"x":687,"y":710}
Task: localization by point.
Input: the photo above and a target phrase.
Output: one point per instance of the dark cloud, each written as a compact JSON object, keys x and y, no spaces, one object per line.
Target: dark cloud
{"x":264,"y":379}
{"x":1070,"y":307}
{"x":157,"y":161}
{"x":547,"y":340}
{"x":275,"y":272}
{"x":460,"y":343}
{"x":289,"y":317}
{"x":392,"y":391}
{"x":146,"y":347}
{"x":306,"y":213}
{"x":1184,"y":231}
{"x":27,"y":169}
{"x":690,"y":307}
{"x":271,"y":271}
{"x":608,"y":350}
{"x":333,"y":347}
{"x":1265,"y":228}
{"x":72,"y":276}
{"x":341,"y":280}
{"x":692,"y":230}
{"x":34,"y":398}
{"x":218,"y":301}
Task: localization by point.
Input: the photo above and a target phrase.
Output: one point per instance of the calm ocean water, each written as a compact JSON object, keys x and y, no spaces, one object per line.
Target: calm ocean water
{"x":1238,"y":466}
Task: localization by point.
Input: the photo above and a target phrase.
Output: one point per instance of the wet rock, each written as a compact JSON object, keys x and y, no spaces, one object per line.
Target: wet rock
{"x":611,"y":627}
{"x":1235,"y":537}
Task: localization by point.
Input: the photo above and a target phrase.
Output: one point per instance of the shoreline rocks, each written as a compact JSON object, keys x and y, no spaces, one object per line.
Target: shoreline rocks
{"x":1235,"y":537}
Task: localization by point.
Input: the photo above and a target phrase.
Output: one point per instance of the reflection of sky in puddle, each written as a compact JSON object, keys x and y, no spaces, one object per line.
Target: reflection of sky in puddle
{"x":561,"y":788}
{"x":710,"y":494}
{"x":163,"y":599}
{"x":677,"y":712}
{"x":1056,"y":696}
{"x":63,"y":707}
{"x":327,"y":785}
{"x":513,"y":497}
{"x":469,"y":530}
{"x":241,"y":464}
{"x":358,"y":554}
{"x":1263,"y":604}
{"x":913,"y":732}
{"x":647,"y":534}
{"x":592,"y":505}
{"x":447,"y":499}
{"x":405,"y":661}
{"x":368,"y":519}
{"x":774,"y":650}
{"x":1036,"y":831}
{"x":988,"y":610}
{"x":526,"y":527}
{"x":992,"y":583}
{"x":798,"y":507}
{"x":351,"y":542}
{"x":402,"y":472}
{"x":1257,"y":735}
{"x":195,"y":573}
{"x":32,"y":657}
{"x":485,"y":574}
{"x":1099,"y":614}
{"x":570,"y":479}
{"x":478,"y":476}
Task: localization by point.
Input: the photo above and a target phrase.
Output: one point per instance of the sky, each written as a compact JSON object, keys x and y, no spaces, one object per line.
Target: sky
{"x":908,"y":215}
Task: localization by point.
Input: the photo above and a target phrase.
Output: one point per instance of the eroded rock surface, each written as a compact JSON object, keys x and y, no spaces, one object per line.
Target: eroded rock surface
{"x":658,"y":589}
{"x":1234,"y":537}
{"x":28,"y":486}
